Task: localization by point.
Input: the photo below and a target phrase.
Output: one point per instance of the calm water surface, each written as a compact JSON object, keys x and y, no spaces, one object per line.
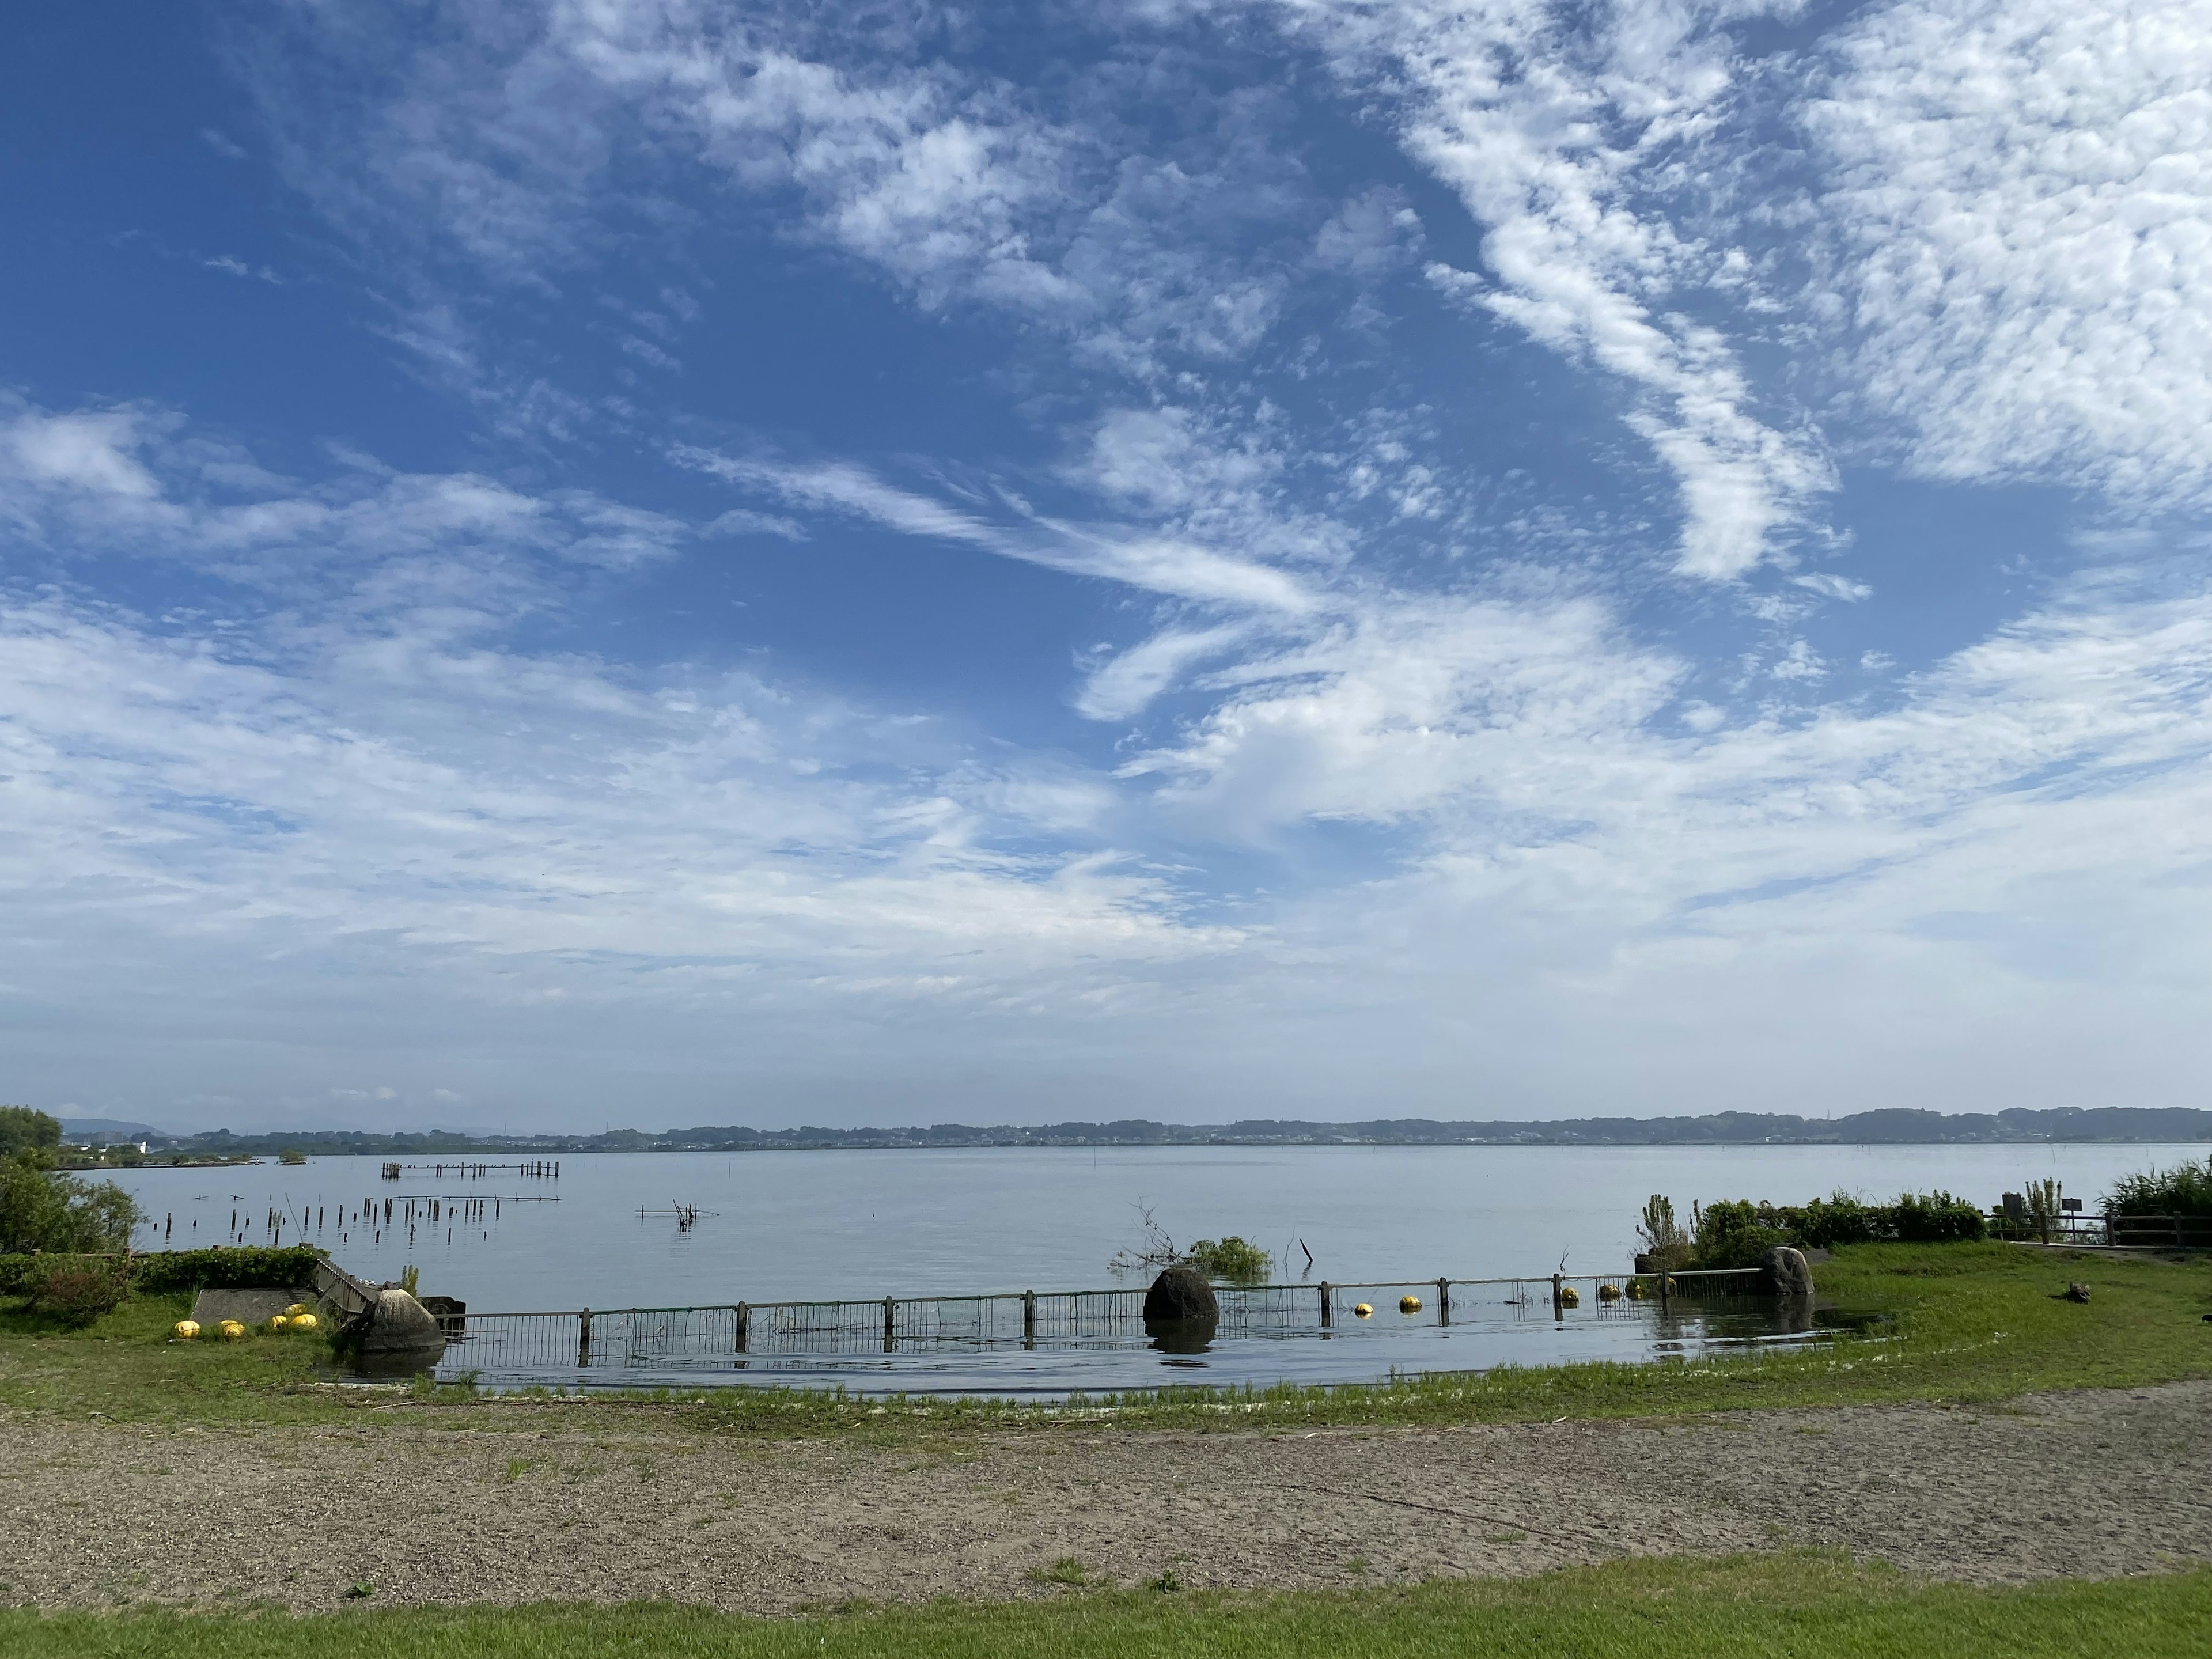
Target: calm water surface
{"x":850,"y":1224}
{"x":777,"y":1225}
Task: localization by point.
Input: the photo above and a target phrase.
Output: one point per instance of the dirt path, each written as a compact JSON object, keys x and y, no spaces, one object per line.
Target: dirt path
{"x":2089,"y":1483}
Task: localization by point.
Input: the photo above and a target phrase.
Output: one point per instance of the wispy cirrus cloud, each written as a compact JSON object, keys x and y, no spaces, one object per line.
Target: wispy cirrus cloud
{"x":1176,"y":568}
{"x":1557,"y":131}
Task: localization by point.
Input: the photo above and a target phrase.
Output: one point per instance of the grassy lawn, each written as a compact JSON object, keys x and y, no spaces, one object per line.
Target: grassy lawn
{"x":1970,"y":1323}
{"x":1805,"y":1606}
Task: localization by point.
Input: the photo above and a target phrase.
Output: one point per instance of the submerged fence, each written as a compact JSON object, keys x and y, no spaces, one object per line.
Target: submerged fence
{"x":658,"y":1337}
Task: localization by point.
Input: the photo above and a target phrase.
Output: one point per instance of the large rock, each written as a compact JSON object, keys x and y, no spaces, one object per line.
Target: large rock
{"x":1181,"y":1293}
{"x":400,"y":1324}
{"x":1788,"y":1272}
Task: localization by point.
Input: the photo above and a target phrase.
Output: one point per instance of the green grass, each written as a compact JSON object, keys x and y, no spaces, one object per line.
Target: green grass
{"x":1970,"y":1323}
{"x":1805,"y":1606}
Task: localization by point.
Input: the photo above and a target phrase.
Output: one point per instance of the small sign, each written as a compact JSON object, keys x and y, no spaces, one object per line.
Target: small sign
{"x":2070,"y":1204}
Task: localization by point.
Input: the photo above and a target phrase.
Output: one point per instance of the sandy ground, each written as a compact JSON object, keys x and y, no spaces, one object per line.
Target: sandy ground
{"x":2089,"y":1483}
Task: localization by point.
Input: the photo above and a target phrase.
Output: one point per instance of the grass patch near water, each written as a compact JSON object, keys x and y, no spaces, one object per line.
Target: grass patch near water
{"x":1804,"y":1606}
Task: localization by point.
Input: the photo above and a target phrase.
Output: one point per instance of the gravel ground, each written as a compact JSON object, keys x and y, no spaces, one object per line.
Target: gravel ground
{"x":2090,"y":1484}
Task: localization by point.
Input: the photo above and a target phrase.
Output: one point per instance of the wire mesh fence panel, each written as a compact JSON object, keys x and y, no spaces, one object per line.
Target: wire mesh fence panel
{"x":674,"y":1339}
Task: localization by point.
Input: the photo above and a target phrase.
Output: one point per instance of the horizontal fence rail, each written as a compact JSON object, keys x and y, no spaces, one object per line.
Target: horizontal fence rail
{"x":2135,"y":1231}
{"x":675,"y":1338}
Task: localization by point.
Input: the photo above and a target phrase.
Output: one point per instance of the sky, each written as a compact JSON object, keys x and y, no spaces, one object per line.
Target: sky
{"x":652,"y":563}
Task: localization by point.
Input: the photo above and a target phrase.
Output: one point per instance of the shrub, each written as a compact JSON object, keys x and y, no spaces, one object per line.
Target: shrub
{"x":58,"y":1213}
{"x":1734,"y":1234}
{"x":224,"y":1269}
{"x":1233,"y":1259}
{"x":1839,"y":1218}
{"x":1937,"y":1218}
{"x":79,"y":1289}
{"x":2185,"y":1189}
{"x":22,"y":1130}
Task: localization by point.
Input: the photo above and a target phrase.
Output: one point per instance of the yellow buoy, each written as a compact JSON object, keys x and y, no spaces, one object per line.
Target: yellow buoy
{"x":1409,"y":1304}
{"x":1636,"y":1290}
{"x":1570,"y":1297}
{"x":295,"y":1310}
{"x":277,"y":1321}
{"x":303,"y":1322}
{"x":185,"y":1329}
{"x":1365,"y":1310}
{"x":1608,"y":1292}
{"x":232,"y":1331}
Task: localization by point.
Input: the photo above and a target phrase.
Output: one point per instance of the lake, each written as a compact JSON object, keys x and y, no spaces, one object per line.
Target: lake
{"x":792,"y":1225}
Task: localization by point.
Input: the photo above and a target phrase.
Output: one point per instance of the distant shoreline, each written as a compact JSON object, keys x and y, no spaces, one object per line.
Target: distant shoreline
{"x":2060,"y":1125}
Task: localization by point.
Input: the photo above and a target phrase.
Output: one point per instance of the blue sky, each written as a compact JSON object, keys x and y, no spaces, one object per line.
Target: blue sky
{"x":632,"y":562}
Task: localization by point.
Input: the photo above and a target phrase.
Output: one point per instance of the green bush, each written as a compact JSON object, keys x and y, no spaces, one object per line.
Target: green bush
{"x":22,"y":1130}
{"x":1233,"y":1259}
{"x":77,"y":1288}
{"x":1736,"y":1233}
{"x":1733,"y":1234}
{"x":2185,"y":1189}
{"x":225,"y":1269}
{"x":58,"y":1213}
{"x":1936,"y":1218}
{"x":217,"y":1268}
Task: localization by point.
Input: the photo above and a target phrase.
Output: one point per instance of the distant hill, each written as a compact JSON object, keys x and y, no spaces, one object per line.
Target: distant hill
{"x":110,"y":1130}
{"x":1885,"y":1127}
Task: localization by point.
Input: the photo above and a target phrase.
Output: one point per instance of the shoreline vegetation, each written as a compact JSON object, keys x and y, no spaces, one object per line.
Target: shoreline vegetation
{"x":2171,"y":1125}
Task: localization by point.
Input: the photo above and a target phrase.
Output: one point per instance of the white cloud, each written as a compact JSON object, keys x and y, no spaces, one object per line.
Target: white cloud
{"x":231,"y":265}
{"x":2020,"y":199}
{"x":96,"y":453}
{"x":1125,"y":683}
{"x":1158,"y":564}
{"x":1549,"y":135}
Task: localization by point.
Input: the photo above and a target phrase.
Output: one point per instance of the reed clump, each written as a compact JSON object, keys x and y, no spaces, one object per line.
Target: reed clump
{"x":2183,"y":1190}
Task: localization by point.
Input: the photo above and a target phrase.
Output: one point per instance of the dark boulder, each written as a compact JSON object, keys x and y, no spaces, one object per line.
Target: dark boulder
{"x":1787,"y":1272}
{"x":1181,"y":1293}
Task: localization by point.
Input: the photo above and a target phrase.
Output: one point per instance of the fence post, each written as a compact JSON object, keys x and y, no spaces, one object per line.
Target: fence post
{"x":890,"y":1324}
{"x":1559,"y":1309}
{"x":584,"y":1337}
{"x":1029,"y":1318}
{"x":1324,"y":1304}
{"x":1444,"y":1301}
{"x":745,"y":1318}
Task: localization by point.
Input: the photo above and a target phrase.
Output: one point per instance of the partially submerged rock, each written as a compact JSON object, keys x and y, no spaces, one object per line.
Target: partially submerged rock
{"x":1788,"y":1274}
{"x":1181,"y":1293}
{"x":397,"y":1324}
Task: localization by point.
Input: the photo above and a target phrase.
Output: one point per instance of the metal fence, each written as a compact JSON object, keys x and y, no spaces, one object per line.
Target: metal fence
{"x":2135,"y":1231}
{"x":662,"y":1337}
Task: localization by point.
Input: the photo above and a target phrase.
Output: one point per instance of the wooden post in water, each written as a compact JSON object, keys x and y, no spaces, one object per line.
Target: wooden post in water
{"x":890,"y":1324}
{"x":1444,"y":1301}
{"x":584,"y":1337}
{"x":1559,"y":1308}
{"x":1029,"y":1319}
{"x":745,"y":1319}
{"x":1324,"y":1304}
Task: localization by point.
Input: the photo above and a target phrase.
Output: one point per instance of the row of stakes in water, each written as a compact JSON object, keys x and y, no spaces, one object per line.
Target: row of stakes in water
{"x":297,"y":1317}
